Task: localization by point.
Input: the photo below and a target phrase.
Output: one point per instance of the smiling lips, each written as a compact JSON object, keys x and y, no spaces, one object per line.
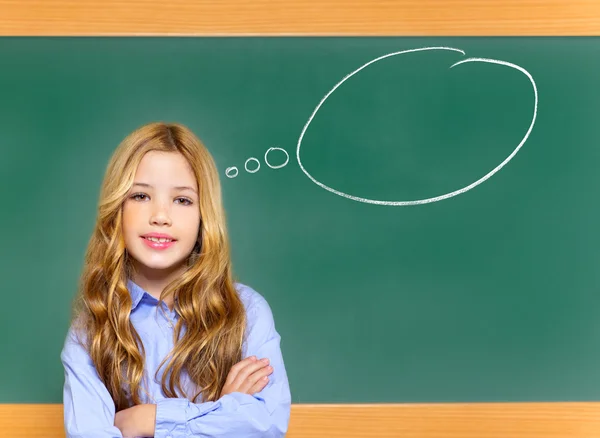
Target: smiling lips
{"x":158,"y":242}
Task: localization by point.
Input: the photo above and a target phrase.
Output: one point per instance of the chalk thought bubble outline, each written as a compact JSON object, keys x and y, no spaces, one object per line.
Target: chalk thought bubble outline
{"x":436,"y":198}
{"x":228,"y":171}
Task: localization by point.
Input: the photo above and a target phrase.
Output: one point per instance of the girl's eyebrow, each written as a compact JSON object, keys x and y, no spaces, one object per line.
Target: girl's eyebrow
{"x":176,"y":188}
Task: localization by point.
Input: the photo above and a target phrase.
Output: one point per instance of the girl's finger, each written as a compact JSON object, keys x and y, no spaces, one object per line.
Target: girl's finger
{"x":248,"y":370}
{"x":259,"y":386}
{"x":255,"y":378}
{"x":238,"y":367}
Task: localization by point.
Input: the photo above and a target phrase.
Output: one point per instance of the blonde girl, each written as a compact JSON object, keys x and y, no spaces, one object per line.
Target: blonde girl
{"x":163,"y":342}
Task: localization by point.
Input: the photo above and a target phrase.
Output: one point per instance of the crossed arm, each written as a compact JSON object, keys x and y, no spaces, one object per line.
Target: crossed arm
{"x":249,"y":376}
{"x":89,"y":409}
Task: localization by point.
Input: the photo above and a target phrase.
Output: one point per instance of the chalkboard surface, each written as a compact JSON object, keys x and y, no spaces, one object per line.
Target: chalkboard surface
{"x":420,"y":213}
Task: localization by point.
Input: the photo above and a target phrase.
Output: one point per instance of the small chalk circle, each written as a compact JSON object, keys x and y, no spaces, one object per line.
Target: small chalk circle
{"x":252,"y":170}
{"x":229,"y":170}
{"x":287,"y":157}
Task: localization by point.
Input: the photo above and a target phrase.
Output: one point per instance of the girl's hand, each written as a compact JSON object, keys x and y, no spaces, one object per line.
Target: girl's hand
{"x":137,"y":421}
{"x":248,"y":376}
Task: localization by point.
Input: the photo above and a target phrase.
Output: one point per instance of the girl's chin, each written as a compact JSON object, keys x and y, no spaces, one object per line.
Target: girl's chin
{"x":159,"y":265}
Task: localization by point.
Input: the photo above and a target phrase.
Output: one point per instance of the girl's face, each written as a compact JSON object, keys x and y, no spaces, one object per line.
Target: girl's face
{"x":163,"y":200}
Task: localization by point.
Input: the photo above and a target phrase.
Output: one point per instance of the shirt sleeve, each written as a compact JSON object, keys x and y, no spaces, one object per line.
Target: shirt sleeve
{"x":265,"y":414}
{"x":89,"y":410}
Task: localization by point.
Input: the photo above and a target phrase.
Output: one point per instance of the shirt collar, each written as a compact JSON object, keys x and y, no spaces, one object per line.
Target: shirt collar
{"x":137,"y":293}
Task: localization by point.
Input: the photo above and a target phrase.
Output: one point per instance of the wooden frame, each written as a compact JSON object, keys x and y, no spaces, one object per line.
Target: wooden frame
{"x":329,"y":18}
{"x":300,"y":17}
{"x":449,"y":420}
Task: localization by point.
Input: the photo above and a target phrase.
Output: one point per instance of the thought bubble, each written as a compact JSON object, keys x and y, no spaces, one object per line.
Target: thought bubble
{"x":232,"y":172}
{"x":229,"y":171}
{"x":436,"y":198}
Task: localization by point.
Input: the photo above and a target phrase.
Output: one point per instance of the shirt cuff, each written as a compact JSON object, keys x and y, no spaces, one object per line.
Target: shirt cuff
{"x":171,"y":418}
{"x":173,"y":415}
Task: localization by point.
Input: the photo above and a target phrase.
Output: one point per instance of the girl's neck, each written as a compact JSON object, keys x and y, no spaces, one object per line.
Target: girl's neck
{"x":154,"y":282}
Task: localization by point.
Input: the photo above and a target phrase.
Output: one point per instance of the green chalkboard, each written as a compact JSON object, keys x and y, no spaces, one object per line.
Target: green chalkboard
{"x":488,"y":295}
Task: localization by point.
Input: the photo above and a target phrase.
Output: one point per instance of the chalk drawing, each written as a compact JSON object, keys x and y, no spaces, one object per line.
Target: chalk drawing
{"x":229,"y":170}
{"x":437,"y":198}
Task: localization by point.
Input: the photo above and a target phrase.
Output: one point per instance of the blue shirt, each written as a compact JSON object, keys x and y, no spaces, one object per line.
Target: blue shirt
{"x":89,"y":410}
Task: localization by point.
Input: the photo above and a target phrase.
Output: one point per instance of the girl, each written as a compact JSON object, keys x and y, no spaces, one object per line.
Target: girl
{"x":163,"y":343}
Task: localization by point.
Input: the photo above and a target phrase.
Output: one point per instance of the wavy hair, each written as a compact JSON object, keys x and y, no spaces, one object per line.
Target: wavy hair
{"x":207,"y":302}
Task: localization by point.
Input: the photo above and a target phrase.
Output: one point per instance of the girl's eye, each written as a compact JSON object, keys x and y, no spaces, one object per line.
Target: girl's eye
{"x":137,"y":196}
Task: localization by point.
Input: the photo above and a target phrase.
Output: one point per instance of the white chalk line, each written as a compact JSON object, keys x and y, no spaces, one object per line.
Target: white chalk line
{"x":437,"y":198}
{"x":272,"y":166}
{"x":229,"y":169}
{"x":257,"y":165}
{"x":287,"y":158}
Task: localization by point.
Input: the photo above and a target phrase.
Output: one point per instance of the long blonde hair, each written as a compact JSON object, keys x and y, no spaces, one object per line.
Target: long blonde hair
{"x":207,"y":303}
